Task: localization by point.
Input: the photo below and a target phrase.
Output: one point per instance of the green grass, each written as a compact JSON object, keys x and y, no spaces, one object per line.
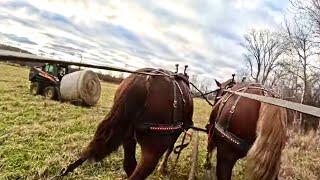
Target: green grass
{"x":39,"y":137}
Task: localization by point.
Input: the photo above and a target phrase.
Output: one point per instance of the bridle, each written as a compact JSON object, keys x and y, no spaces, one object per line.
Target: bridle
{"x":224,"y":91}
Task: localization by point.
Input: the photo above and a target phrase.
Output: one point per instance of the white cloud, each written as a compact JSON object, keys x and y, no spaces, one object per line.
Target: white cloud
{"x":202,"y":33}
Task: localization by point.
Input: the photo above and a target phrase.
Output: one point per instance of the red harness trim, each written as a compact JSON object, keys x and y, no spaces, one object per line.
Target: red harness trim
{"x":165,"y":128}
{"x":160,"y":128}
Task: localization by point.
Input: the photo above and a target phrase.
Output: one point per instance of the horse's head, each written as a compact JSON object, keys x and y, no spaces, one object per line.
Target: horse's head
{"x":223,"y":86}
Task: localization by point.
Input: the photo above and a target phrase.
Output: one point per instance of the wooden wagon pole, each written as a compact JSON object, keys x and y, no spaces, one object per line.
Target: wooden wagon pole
{"x":306,"y":109}
{"x":6,"y":55}
{"x":194,"y":158}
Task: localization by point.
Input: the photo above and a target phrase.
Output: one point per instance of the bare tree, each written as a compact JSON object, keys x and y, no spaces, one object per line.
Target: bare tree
{"x":310,"y":9}
{"x":302,"y":52}
{"x":301,"y":45}
{"x":264,"y":49}
{"x":278,"y":75}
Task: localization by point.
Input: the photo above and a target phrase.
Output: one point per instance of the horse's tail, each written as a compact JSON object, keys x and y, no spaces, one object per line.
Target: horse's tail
{"x":108,"y":136}
{"x":128,"y":103}
{"x":264,"y":156}
{"x":116,"y":125}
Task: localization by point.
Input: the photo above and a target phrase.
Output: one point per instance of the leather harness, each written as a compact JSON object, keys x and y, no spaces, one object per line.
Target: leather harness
{"x":176,"y":125}
{"x":222,"y":130}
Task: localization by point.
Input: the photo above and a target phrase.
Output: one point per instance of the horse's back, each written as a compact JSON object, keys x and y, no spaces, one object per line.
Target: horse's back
{"x":243,"y":121}
{"x":162,"y":93}
{"x":159,"y":93}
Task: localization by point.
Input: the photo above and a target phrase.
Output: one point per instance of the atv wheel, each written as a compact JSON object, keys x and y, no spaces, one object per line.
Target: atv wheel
{"x":49,"y":93}
{"x":34,"y":88}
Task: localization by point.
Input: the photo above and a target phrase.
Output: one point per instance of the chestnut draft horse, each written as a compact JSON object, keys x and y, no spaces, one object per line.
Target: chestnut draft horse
{"x":151,"y":108}
{"x":240,"y":127}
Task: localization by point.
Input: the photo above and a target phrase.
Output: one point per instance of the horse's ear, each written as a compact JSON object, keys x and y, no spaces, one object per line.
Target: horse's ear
{"x":218,"y":83}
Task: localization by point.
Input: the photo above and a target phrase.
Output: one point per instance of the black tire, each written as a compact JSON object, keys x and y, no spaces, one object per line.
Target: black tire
{"x":50,"y":93}
{"x":34,"y":88}
{"x":58,"y":95}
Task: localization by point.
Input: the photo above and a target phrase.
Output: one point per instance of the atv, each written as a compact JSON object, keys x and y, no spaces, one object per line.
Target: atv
{"x":45,"y":80}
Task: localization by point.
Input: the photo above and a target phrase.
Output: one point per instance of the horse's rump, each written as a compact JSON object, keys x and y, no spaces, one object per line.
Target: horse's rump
{"x":141,"y":100}
{"x":237,"y":116}
{"x":249,"y":126}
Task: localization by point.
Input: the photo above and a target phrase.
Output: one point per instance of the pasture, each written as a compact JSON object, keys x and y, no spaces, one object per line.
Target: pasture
{"x":39,"y":137}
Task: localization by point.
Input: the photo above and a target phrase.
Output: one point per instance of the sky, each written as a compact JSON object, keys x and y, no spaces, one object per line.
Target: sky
{"x":204,"y":34}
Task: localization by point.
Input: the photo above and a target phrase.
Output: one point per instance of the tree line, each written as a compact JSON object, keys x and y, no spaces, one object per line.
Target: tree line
{"x":286,"y":59}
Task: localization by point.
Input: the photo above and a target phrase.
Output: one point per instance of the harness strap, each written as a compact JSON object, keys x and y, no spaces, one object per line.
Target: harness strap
{"x":182,"y":97}
{"x":209,"y":126}
{"x":178,"y":149}
{"x":239,"y":143}
{"x":221,"y":106}
{"x":175,"y":102}
{"x":233,"y":108}
{"x":160,"y":129}
{"x":181,"y":92}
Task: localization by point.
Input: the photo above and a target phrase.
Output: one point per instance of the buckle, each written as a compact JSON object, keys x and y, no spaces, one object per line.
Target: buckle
{"x":175,"y":103}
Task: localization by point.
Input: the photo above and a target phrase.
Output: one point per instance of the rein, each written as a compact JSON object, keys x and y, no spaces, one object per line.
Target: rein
{"x":206,"y":93}
{"x":202,"y":94}
{"x":198,"y":129}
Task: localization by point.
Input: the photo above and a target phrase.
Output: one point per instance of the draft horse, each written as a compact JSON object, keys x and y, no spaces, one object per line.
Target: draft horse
{"x":240,"y":127}
{"x":152,"y":108}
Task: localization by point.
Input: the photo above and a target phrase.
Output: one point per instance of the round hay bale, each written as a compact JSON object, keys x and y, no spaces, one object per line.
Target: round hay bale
{"x":81,"y":85}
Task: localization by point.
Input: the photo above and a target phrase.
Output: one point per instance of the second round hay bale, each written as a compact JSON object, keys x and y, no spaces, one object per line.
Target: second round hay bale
{"x":81,"y":85}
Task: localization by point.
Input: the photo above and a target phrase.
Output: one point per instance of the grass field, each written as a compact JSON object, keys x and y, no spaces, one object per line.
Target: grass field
{"x":38,"y":137}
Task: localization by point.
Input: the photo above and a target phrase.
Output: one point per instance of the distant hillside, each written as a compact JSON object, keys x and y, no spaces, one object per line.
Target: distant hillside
{"x":11,"y":48}
{"x":16,"y":49}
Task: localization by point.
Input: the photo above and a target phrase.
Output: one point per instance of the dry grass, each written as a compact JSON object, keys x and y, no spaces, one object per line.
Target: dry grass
{"x":39,"y":137}
{"x":301,"y":158}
